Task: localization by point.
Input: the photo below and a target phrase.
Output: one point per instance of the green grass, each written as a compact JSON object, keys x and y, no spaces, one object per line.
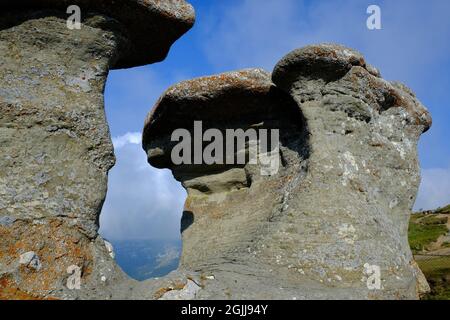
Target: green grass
{"x":433,"y":219}
{"x":437,"y":272}
{"x":421,"y":235}
{"x":444,"y":209}
{"x":425,"y":229}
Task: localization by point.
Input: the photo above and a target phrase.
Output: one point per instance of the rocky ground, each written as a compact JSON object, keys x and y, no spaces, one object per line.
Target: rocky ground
{"x":429,"y":237}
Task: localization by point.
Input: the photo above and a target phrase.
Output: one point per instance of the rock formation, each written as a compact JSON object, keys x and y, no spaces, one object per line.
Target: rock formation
{"x":332,"y":222}
{"x":54,"y":140}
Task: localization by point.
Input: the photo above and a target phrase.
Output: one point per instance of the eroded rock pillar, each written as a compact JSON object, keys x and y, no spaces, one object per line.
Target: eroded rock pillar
{"x":353,"y":208}
{"x":55,"y":143}
{"x":56,"y":147}
{"x":332,"y":222}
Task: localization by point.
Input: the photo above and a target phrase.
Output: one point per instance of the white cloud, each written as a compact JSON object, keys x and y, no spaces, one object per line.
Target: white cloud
{"x":434,"y":190}
{"x":128,"y":138}
{"x":142,"y":202}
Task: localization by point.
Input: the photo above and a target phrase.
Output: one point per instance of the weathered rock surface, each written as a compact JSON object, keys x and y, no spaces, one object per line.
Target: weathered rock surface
{"x":230,"y":208}
{"x":363,"y":172}
{"x":54,"y":139}
{"x":324,"y":226}
{"x":147,"y":27}
{"x":336,"y":214}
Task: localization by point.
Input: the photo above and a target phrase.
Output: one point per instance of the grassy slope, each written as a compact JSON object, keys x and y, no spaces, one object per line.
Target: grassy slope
{"x":424,"y":230}
{"x":437,"y":272}
{"x":444,"y":209}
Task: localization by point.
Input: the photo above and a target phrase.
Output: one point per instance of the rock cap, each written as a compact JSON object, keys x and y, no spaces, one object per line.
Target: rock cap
{"x":325,"y":61}
{"x":194,"y":99}
{"x":233,"y":100}
{"x":152,"y":26}
{"x":331,"y":62}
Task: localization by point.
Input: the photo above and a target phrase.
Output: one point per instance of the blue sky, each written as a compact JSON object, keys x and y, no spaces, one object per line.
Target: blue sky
{"x":413,"y":47}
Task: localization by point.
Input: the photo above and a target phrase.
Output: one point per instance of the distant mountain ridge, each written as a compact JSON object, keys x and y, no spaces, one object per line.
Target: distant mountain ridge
{"x":144,"y":259}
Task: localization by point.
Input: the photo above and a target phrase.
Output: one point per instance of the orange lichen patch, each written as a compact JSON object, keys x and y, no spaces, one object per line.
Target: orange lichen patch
{"x":10,"y":291}
{"x":57,"y":245}
{"x":175,"y":285}
{"x":251,"y":80}
{"x":336,"y":53}
{"x":216,"y":214}
{"x":160,"y":292}
{"x":188,"y":203}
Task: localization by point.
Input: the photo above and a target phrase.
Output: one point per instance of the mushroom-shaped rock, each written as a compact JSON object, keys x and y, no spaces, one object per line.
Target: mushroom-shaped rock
{"x":147,"y":28}
{"x":363,"y":172}
{"x":233,"y":208}
{"x":55,"y":143}
{"x":231,"y":100}
{"x":332,"y":222}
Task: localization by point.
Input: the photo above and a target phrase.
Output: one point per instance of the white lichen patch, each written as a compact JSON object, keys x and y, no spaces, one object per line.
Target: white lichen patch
{"x":393,"y":203}
{"x":348,"y":233}
{"x":349,"y":167}
{"x":400,"y":149}
{"x":82,"y":81}
{"x":31,"y":260}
